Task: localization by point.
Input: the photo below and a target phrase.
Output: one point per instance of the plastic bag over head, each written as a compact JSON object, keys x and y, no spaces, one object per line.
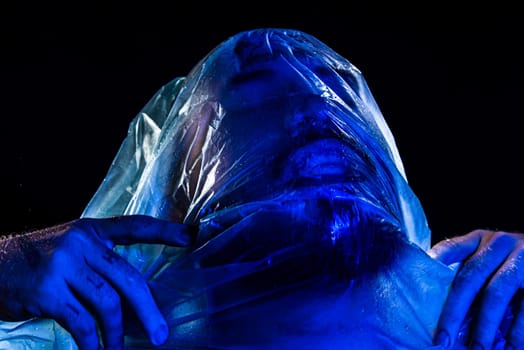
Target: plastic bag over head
{"x":266,"y":114}
{"x":274,"y":146}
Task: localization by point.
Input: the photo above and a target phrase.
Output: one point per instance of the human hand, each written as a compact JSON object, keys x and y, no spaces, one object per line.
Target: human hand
{"x":71,"y":274}
{"x":491,"y":273}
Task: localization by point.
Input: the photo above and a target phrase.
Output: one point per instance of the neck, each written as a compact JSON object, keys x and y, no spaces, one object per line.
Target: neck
{"x":397,"y":308}
{"x":403,"y":302}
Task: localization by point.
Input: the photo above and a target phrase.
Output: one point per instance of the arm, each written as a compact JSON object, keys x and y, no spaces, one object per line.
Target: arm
{"x":70,"y":273}
{"x":491,"y":273}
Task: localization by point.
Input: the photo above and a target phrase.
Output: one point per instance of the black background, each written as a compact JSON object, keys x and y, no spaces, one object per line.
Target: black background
{"x":449,"y":83}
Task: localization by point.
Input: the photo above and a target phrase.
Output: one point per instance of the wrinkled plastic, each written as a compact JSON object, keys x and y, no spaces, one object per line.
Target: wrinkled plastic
{"x":309,"y":234}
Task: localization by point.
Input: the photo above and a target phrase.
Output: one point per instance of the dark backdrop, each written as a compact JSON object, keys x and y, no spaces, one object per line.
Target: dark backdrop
{"x":450,"y":87}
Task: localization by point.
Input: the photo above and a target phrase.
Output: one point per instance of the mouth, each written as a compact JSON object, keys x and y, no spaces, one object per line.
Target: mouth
{"x":324,"y":161}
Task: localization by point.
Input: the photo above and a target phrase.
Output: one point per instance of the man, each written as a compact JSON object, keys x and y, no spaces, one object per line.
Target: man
{"x":309,"y":234}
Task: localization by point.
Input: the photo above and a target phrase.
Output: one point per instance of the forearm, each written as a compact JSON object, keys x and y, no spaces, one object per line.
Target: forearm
{"x":10,"y":255}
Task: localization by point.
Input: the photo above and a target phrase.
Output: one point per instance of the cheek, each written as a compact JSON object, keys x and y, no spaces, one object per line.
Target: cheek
{"x":181,"y":165}
{"x":194,"y":144}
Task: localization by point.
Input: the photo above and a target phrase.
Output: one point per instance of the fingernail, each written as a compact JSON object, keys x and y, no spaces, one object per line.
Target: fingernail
{"x":442,"y":338}
{"x":160,"y":335}
{"x":476,"y":346}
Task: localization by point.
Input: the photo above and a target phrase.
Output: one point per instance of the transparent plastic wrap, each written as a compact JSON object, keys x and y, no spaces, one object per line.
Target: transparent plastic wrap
{"x":309,"y":234}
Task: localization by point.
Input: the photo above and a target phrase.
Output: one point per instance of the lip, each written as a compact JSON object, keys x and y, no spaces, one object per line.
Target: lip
{"x":323,"y":161}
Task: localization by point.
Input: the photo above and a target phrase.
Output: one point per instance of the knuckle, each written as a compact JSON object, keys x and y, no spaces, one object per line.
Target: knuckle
{"x":447,"y":243}
{"x":502,"y":238}
{"x":111,"y":304}
{"x":470,"y":272}
{"x":496,"y":293}
{"x":58,"y":260}
{"x":480,"y":233}
{"x":85,"y":327}
{"x":45,"y":289}
{"x":139,"y":286}
{"x":76,"y":236}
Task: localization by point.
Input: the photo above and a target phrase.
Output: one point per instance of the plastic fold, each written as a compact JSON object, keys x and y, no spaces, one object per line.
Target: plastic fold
{"x":309,"y":235}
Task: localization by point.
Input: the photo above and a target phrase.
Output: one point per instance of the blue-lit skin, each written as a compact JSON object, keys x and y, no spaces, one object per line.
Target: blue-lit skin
{"x":275,"y":146}
{"x":309,"y":235}
{"x":492,"y":274}
{"x":70,"y":273}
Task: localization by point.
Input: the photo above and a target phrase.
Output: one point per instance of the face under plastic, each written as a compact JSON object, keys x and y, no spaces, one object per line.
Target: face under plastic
{"x":267,"y":113}
{"x":274,"y":147}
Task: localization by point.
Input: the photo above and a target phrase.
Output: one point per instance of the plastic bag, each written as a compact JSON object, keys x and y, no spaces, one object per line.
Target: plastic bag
{"x":309,"y":234}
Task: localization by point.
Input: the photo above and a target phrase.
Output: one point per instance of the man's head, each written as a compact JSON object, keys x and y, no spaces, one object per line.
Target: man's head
{"x":273,"y":145}
{"x":271,"y":113}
